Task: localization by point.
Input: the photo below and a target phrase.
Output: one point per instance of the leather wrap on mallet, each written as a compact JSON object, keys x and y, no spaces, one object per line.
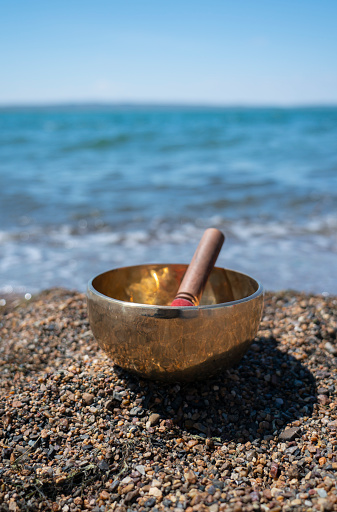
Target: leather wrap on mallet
{"x":197,"y":274}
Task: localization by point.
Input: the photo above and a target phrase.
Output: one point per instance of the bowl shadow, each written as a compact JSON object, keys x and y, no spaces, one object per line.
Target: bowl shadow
{"x":268,"y":390}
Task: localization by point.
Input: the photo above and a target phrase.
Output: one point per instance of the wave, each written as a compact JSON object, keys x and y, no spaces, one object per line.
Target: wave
{"x":14,"y":141}
{"x":165,"y":230}
{"x":279,"y":254}
{"x":278,"y":265}
{"x":99,"y":144}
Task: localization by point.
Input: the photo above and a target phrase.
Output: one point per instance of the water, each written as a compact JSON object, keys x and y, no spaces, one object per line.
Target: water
{"x":86,"y":189}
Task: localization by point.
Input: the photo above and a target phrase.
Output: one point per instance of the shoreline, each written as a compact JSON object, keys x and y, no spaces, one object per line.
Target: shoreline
{"x":14,"y":299}
{"x":77,"y":433}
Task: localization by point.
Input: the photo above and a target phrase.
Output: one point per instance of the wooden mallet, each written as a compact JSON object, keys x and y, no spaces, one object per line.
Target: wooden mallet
{"x":197,"y":274}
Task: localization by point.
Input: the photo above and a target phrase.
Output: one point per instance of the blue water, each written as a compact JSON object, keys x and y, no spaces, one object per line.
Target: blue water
{"x":85,"y":189}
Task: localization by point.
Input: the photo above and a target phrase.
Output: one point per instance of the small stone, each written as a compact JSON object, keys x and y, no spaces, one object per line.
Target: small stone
{"x":274,"y":470}
{"x":135,"y":411}
{"x":114,"y":485}
{"x":60,"y":479}
{"x":131,"y":496}
{"x":108,"y":454}
{"x":47,"y":472}
{"x":150,"y":502}
{"x":44,"y":433}
{"x":103,"y":465}
{"x":12,"y":506}
{"x":126,"y":480}
{"x":140,"y":469}
{"x":323,"y":399}
{"x":110,"y":405}
{"x":267,"y":494}
{"x":209,"y":443}
{"x":331,"y":348}
{"x":190,"y":477}
{"x":17,"y":404}
{"x":153,"y":420}
{"x":322,"y":493}
{"x":88,"y":398}
{"x":129,"y":487}
{"x":289,"y":434}
{"x":293,"y":471}
{"x":192,"y":442}
{"x":156,"y":483}
{"x":325,"y":504}
{"x":104,"y":495}
{"x":154,"y":491}
{"x":118,"y":396}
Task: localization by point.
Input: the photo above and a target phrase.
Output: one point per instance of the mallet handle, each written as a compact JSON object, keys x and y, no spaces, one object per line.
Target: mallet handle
{"x":204,"y":258}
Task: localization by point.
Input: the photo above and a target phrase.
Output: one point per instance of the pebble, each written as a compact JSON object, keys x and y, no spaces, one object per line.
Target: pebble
{"x":140,"y":469}
{"x":274,"y":470}
{"x":289,"y":434}
{"x":77,"y":433}
{"x":155,"y":491}
{"x":131,"y":496}
{"x":190,"y":477}
{"x":331,"y":348}
{"x":88,"y":398}
{"x":153,"y":420}
{"x":104,"y":495}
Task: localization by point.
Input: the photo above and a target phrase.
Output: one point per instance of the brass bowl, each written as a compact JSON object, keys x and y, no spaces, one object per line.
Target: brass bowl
{"x":132,"y":321}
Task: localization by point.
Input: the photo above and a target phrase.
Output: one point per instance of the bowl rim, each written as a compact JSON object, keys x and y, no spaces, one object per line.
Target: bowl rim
{"x":92,"y":289}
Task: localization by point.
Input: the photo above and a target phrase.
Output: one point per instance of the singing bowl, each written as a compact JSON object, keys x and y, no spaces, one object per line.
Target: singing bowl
{"x":132,"y":321}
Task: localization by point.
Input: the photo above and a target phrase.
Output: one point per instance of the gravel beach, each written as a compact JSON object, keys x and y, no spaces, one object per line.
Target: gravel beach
{"x":77,"y":433}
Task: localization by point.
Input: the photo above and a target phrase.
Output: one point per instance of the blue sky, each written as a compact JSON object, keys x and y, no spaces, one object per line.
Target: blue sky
{"x":187,"y":51}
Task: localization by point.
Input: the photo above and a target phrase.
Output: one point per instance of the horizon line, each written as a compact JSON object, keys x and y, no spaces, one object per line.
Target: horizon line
{"x":164,"y":104}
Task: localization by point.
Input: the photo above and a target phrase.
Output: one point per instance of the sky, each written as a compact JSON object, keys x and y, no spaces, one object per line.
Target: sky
{"x":221,"y":52}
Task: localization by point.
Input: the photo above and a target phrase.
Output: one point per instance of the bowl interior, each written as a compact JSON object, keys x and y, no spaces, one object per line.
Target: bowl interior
{"x":157,"y":284}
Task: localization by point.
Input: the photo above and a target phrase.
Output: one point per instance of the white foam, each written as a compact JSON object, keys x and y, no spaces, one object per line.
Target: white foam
{"x":281,"y":255}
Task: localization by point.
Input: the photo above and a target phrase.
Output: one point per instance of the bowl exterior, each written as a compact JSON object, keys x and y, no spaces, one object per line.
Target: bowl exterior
{"x":174,"y":344}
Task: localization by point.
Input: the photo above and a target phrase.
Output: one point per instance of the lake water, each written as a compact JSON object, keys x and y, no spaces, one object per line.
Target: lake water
{"x":86,"y":189}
